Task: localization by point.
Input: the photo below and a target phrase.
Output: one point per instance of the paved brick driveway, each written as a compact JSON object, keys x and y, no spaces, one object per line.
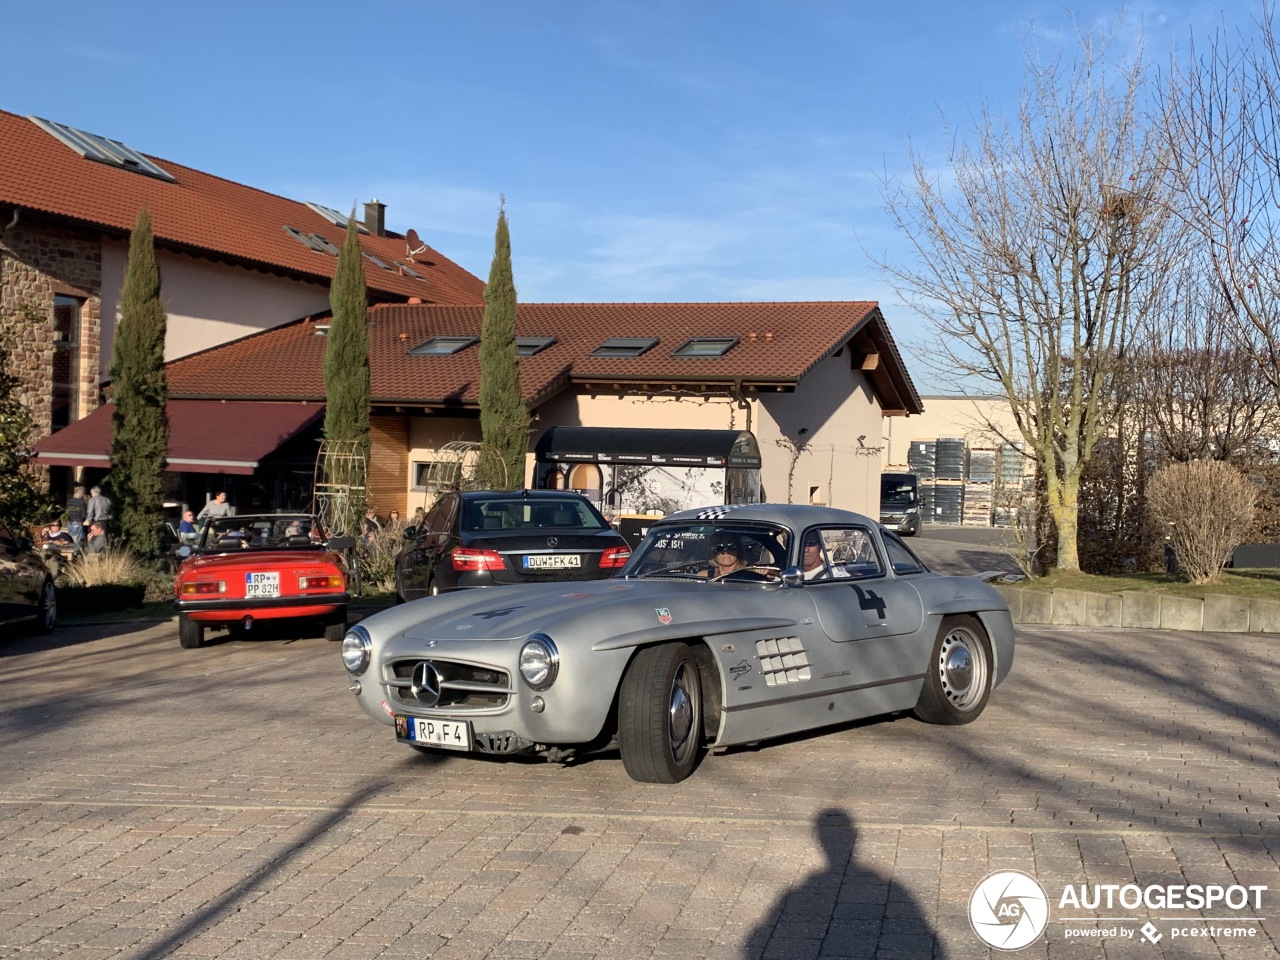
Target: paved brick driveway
{"x":232,"y":802}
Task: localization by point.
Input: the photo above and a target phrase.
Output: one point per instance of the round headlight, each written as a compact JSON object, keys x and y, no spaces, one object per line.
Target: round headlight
{"x":539,"y":661}
{"x":356,"y":648}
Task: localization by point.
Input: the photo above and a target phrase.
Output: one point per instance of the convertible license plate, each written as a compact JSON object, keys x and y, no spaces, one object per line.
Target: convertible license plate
{"x":258,"y":585}
{"x":446,"y":734}
{"x":552,"y":561}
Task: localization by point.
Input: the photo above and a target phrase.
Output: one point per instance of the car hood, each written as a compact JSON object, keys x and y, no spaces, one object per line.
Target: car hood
{"x":614,"y":612}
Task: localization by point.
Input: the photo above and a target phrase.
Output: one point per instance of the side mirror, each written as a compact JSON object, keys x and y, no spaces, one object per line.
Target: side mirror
{"x":793,"y":577}
{"x":184,"y":551}
{"x":410,"y":532}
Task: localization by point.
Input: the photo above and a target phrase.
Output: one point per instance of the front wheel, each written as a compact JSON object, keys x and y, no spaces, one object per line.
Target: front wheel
{"x":960,"y":673}
{"x":190,"y":632}
{"x":660,"y":714}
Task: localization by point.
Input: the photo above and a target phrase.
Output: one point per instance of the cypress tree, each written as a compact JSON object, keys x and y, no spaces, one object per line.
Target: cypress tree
{"x":346,"y":373}
{"x":504,"y":419}
{"x":140,"y":390}
{"x":346,"y":353}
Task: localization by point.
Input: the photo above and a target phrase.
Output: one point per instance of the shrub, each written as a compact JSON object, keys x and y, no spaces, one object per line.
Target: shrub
{"x":114,"y":565}
{"x":1207,"y":507}
{"x":377,"y":559}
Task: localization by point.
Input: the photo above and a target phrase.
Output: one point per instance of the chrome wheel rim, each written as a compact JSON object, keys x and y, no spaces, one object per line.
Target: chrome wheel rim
{"x":682,"y":713}
{"x":962,"y":668}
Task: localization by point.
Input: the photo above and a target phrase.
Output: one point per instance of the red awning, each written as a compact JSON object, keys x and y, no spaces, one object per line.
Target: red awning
{"x":205,"y":436}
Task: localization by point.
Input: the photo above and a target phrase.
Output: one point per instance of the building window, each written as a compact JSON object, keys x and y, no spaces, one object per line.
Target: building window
{"x":65,"y":375}
{"x":625,"y":347}
{"x":442,"y":346}
{"x":421,"y":472}
{"x":706,"y":347}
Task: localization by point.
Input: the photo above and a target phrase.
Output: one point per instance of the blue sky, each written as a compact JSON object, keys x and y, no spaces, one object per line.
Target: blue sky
{"x":648,"y":151}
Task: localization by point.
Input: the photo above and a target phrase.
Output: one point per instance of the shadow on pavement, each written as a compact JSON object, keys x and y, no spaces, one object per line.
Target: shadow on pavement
{"x":843,"y":910}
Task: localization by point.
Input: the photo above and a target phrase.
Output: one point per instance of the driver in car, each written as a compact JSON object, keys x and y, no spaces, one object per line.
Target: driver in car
{"x":727,"y":556}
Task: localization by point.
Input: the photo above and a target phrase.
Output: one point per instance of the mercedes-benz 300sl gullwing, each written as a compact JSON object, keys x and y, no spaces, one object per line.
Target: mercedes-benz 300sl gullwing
{"x":728,"y":625}
{"x":270,"y":567}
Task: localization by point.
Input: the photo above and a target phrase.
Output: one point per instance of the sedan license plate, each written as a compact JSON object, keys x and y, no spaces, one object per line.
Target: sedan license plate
{"x":552,"y":561}
{"x":258,"y":585}
{"x":446,"y":734}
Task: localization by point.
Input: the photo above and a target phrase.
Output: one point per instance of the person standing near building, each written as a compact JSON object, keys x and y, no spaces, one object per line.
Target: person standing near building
{"x":215,"y":509}
{"x":77,"y":512}
{"x":98,"y":509}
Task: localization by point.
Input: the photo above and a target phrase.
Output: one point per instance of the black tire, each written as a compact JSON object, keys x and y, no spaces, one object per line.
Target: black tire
{"x":190,"y":632}
{"x":47,"y":618}
{"x":959,"y":675}
{"x":336,"y":628}
{"x":660,"y":714}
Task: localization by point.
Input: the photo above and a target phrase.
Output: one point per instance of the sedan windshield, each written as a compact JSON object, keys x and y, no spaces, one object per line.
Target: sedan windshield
{"x":710,"y":549}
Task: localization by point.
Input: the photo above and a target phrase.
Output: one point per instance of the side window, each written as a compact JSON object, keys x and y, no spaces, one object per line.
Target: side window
{"x":901,"y":559}
{"x":852,"y":552}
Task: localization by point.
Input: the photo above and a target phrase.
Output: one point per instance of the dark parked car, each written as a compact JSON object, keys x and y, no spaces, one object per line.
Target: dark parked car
{"x":27,"y":595}
{"x":477,"y":539}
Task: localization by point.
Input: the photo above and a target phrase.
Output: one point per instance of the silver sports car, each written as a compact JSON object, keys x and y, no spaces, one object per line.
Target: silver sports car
{"x":728,"y":625}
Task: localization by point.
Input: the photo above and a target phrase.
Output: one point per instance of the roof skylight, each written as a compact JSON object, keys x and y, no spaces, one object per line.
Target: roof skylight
{"x":528,"y":346}
{"x":706,"y":346}
{"x":625,"y":347}
{"x":334,"y":217}
{"x":102,"y":149}
{"x":442,"y":346}
{"x":313,"y":240}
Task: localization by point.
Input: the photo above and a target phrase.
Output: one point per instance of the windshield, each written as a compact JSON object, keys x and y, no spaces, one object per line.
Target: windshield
{"x":285,"y":531}
{"x":709,"y":549}
{"x":520,"y":513}
{"x":897,"y":490}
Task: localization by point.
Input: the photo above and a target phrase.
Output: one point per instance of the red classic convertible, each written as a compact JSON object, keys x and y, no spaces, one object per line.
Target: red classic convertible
{"x":269,"y":567}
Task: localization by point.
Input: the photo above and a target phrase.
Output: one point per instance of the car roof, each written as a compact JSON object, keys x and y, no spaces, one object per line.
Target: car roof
{"x":795,"y":515}
{"x":521,"y":494}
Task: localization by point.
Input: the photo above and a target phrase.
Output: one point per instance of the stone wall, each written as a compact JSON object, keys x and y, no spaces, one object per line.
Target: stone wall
{"x":38,"y":261}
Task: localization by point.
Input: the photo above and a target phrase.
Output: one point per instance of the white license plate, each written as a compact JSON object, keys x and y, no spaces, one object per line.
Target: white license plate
{"x":552,"y":561}
{"x":258,"y":585}
{"x":447,"y":734}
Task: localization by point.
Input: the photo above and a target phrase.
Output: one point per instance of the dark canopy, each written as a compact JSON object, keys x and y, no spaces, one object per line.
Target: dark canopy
{"x":706,"y":448}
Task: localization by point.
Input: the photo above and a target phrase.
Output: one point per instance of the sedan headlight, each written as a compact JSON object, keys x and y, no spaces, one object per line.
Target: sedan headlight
{"x":357,"y":646}
{"x":539,"y":661}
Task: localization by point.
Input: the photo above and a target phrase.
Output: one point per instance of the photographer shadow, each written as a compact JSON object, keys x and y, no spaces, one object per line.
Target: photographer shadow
{"x":844,"y":910}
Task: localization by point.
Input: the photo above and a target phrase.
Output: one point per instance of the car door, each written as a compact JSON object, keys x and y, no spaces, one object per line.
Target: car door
{"x":421,"y":553}
{"x":22,"y":575}
{"x":872,"y":618}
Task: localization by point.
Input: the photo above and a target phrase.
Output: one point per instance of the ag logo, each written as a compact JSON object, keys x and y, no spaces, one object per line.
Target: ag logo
{"x":1008,"y":910}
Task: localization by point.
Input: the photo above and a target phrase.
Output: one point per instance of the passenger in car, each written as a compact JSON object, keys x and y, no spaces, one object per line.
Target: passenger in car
{"x":814,"y":563}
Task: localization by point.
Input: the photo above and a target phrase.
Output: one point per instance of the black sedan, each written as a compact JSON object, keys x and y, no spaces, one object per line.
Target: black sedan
{"x":483,"y":538}
{"x":27,"y":594}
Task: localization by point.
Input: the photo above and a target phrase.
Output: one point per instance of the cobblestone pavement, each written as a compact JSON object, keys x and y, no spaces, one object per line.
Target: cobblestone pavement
{"x":232,"y":802}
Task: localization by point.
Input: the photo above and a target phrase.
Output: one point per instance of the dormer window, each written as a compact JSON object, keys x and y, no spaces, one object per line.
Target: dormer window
{"x":625,"y":347}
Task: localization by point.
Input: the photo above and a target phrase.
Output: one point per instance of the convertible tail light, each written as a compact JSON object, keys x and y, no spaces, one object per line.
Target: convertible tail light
{"x":198,"y":587}
{"x":468,"y":560}
{"x":614,"y":557}
{"x":320,"y":583}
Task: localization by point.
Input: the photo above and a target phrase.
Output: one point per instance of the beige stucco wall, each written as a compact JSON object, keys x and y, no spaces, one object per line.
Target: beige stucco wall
{"x":208,"y":303}
{"x":949,"y":416}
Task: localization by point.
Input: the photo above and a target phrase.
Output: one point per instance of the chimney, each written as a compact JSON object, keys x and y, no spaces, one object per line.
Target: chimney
{"x":375,"y":218}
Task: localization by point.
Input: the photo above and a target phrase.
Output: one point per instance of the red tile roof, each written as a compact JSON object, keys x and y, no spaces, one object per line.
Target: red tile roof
{"x":206,"y":215}
{"x":778,"y":343}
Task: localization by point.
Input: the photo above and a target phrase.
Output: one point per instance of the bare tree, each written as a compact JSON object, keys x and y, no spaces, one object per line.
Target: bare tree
{"x":1223,"y":126}
{"x":1038,"y":254}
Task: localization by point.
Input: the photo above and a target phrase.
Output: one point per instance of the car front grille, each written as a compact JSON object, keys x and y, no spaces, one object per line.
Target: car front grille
{"x":461,"y":686}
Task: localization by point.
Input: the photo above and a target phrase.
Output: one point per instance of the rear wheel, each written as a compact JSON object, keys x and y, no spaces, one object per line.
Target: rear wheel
{"x":190,"y":632}
{"x":960,"y":674}
{"x":336,"y":628}
{"x":48,"y":607}
{"x":660,"y":714}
